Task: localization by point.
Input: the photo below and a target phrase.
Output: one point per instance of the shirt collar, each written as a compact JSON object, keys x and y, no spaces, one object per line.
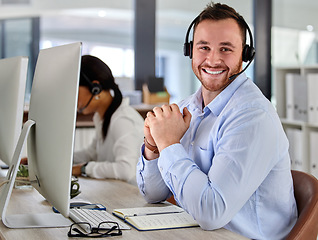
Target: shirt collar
{"x":218,"y":103}
{"x":195,"y":105}
{"x":125,"y":101}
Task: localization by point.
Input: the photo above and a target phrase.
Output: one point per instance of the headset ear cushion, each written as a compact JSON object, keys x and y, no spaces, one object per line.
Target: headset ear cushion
{"x":96,"y":88}
{"x":248,"y":53}
{"x":190,"y":49}
{"x":187,"y":49}
{"x":245,"y":53}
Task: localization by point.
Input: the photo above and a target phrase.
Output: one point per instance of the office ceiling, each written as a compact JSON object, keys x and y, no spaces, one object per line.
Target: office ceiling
{"x":173,"y":16}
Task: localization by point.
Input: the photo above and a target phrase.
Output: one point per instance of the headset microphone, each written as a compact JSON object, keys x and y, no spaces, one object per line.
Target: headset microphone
{"x":248,"y":53}
{"x":235,"y":75}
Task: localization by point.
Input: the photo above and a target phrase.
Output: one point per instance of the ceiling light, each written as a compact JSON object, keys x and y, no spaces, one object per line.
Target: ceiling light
{"x":310,"y":28}
{"x":101,"y":13}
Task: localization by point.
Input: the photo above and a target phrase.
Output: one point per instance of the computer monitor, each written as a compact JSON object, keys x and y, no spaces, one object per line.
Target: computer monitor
{"x":13,"y":74}
{"x":50,"y":136}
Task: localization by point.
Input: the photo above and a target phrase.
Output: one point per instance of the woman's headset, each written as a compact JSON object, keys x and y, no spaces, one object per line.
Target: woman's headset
{"x":94,"y":87}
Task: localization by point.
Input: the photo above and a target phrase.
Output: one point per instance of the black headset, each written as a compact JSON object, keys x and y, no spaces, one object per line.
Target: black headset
{"x":248,"y":53}
{"x":95,"y":87}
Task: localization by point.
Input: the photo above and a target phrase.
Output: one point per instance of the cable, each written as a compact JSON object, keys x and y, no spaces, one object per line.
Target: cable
{"x":4,"y":182}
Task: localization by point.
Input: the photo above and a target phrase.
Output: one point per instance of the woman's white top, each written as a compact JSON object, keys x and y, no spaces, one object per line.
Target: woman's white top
{"x":116,"y":156}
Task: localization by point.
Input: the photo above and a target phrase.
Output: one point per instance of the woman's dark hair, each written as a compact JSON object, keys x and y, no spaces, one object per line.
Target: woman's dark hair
{"x":95,"y":69}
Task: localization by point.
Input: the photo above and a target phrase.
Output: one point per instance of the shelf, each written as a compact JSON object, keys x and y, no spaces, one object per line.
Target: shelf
{"x":300,"y":133}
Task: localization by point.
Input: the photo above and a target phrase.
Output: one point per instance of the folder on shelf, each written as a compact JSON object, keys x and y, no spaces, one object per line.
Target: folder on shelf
{"x":296,"y":97}
{"x":312,"y":86}
{"x":289,"y":96}
{"x":289,"y":82}
{"x":313,"y":152}
{"x":294,"y":136}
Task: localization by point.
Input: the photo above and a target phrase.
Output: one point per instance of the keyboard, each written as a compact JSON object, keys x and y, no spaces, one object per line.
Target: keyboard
{"x":94,"y":217}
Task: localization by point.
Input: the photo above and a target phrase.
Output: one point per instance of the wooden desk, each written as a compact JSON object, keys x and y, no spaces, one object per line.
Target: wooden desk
{"x":111,"y":193}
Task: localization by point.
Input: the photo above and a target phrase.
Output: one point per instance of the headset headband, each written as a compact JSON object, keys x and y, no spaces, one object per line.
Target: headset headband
{"x":248,"y":51}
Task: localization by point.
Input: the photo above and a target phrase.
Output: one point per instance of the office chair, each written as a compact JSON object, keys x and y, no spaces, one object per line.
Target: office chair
{"x":172,"y":200}
{"x":306,"y":195}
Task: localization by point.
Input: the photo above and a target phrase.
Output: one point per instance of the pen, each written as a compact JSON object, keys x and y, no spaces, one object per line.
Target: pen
{"x":146,"y":214}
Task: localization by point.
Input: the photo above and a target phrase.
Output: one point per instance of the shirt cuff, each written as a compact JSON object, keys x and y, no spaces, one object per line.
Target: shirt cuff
{"x":147,"y":165}
{"x":89,"y":168}
{"x":169,"y":156}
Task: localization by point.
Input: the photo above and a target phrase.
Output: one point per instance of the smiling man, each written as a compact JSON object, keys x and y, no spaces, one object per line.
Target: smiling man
{"x":222,"y":152}
{"x":216,"y":57}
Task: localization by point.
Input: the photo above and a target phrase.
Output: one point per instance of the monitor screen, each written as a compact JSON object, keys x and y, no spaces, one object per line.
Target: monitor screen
{"x":49,"y":134}
{"x":13,"y":74}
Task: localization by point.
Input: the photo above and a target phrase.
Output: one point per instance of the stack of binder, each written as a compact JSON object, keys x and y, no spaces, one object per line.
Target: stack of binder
{"x":302,"y":97}
{"x":302,"y":105}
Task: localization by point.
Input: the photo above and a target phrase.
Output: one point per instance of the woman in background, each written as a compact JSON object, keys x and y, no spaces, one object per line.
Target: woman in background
{"x":114,"y":151}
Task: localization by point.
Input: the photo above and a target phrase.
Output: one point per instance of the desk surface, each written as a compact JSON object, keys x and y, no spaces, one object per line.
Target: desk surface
{"x":111,"y":193}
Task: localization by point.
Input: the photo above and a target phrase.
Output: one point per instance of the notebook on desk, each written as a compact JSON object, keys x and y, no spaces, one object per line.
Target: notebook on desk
{"x":156,"y":218}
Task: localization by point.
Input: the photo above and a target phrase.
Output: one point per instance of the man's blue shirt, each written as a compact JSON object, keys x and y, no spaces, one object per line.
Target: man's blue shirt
{"x":232,"y":167}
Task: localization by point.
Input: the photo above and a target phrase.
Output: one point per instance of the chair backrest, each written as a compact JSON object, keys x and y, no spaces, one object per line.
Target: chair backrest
{"x":306,"y":195}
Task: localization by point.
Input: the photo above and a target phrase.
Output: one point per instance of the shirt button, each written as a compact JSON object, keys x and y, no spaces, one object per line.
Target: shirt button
{"x":161,"y":169}
{"x":192,"y":143}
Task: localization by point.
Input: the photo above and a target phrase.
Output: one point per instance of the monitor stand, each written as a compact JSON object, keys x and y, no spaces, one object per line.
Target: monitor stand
{"x":29,"y":220}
